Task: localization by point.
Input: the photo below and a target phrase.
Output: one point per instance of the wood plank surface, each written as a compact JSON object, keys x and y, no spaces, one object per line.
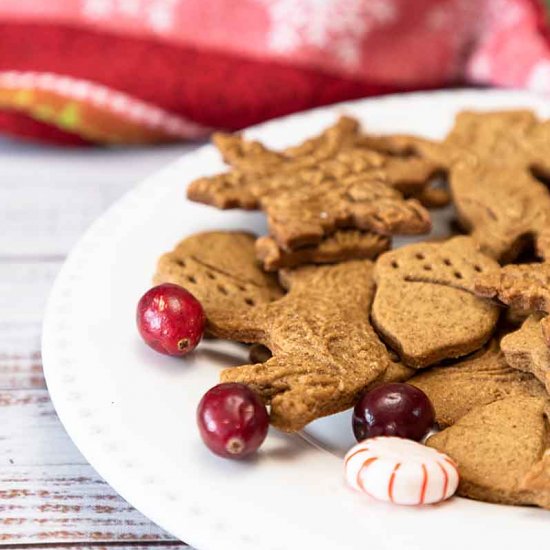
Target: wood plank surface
{"x":111,"y":545}
{"x":48,"y":197}
{"x":50,"y":497}
{"x":66,"y":503}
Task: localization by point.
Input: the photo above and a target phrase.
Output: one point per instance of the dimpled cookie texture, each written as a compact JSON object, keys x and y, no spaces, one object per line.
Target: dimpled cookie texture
{"x":304,"y":377}
{"x":479,"y":379}
{"x":219,"y":268}
{"x":424,"y":306}
{"x":501,"y":452}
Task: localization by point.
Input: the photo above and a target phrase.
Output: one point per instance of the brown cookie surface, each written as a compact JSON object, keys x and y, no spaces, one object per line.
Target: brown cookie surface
{"x":396,"y":372}
{"x":527,"y":350}
{"x":424,"y":306}
{"x":497,"y":163}
{"x":325,"y":352}
{"x":434,"y":197}
{"x":525,"y":287}
{"x":499,"y":449}
{"x":311,"y":211}
{"x":537,"y":480}
{"x":341,"y":246}
{"x":329,"y":182}
{"x":481,"y":379}
{"x":253,"y":156}
{"x":219,"y":268}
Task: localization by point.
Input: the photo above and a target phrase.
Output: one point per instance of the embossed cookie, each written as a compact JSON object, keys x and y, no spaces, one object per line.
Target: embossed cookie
{"x":219,"y":268}
{"x":500,"y":452}
{"x":527,"y":350}
{"x":254,"y":157}
{"x":325,"y":184}
{"x":525,"y":287}
{"x":325,"y":352}
{"x":339,"y":247}
{"x":259,"y":172}
{"x":310,"y":212}
{"x":495,"y":162}
{"x":424,"y":306}
{"x":396,"y":372}
{"x":340,"y":150}
{"x":481,"y":379}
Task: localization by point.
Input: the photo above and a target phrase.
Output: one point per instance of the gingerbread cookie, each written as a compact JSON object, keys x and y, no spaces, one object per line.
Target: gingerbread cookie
{"x":434,"y":197}
{"x":525,"y":287}
{"x":309,"y":213}
{"x":325,"y":352}
{"x":396,"y":371}
{"x":219,"y":268}
{"x":499,"y":449}
{"x":538,"y":479}
{"x":314,"y":202}
{"x":325,"y":184}
{"x":341,"y":246}
{"x":259,"y":172}
{"x":253,"y":157}
{"x":424,"y":306}
{"x":527,"y":350}
{"x":340,"y":150}
{"x":495,"y":163}
{"x":481,"y":379}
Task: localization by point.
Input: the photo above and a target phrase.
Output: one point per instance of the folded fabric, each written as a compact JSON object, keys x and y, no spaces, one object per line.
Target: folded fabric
{"x":143,"y":71}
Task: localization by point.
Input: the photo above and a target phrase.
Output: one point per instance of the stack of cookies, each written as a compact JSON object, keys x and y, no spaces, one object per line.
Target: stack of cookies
{"x":336,"y":312}
{"x":331,"y":199}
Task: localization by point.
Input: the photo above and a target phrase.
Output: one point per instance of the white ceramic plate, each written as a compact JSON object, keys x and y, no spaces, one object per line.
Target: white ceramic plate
{"x":132,"y":412}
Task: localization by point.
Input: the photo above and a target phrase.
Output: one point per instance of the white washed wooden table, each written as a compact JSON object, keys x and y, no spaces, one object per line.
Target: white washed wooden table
{"x":50,"y":497}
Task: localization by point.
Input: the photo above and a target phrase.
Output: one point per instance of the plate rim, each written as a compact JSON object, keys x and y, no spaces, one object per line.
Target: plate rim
{"x":58,"y":384}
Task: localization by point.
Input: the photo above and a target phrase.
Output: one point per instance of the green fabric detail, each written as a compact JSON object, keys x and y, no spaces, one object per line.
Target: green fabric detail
{"x":69,"y":117}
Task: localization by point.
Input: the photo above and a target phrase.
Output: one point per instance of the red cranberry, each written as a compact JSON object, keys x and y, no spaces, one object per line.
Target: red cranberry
{"x":232,"y":420}
{"x":401,"y":410}
{"x":170,"y":319}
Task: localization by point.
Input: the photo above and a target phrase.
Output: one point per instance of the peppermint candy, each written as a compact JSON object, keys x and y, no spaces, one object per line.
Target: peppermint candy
{"x":401,"y":471}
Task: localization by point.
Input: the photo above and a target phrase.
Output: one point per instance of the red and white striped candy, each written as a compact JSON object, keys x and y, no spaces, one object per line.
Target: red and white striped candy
{"x":401,"y":471}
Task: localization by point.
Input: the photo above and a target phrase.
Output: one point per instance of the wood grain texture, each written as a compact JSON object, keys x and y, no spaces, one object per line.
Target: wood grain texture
{"x":49,"y":196}
{"x":111,"y":545}
{"x":31,"y":434}
{"x":67,"y":504}
{"x":50,"y":498}
{"x":24,"y":288}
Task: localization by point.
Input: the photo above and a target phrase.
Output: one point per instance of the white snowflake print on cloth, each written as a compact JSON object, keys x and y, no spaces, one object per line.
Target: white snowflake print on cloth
{"x":539,"y":78}
{"x":158,"y":15}
{"x":161,"y":14}
{"x":336,"y":26}
{"x":97,"y":9}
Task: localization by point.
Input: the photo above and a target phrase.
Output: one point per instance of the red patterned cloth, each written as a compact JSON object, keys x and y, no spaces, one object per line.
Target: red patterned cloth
{"x":141,"y":71}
